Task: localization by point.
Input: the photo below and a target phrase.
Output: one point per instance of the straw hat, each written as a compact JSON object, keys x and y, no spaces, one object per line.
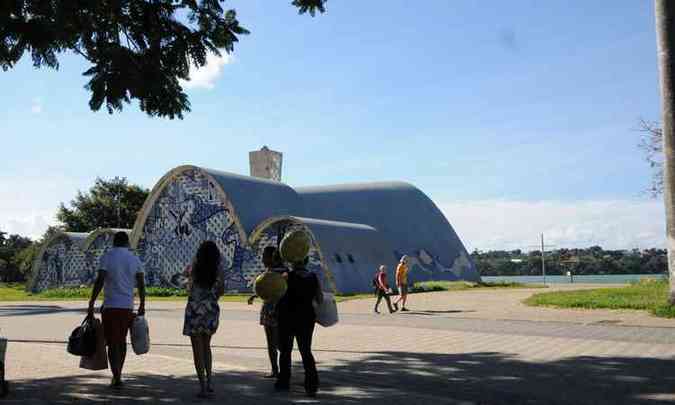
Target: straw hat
{"x":294,"y":248}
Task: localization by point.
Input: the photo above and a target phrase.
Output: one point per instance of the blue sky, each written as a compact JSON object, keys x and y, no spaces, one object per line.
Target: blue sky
{"x":516,"y":117}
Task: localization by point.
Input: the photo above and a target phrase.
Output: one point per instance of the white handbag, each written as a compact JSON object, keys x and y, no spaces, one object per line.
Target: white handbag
{"x":140,"y":335}
{"x":326,"y":311}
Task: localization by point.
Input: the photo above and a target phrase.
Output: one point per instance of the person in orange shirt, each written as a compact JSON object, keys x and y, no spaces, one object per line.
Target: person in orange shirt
{"x":402,"y":283}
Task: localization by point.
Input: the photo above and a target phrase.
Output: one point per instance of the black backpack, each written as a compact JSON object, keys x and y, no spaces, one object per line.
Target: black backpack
{"x":82,"y":341}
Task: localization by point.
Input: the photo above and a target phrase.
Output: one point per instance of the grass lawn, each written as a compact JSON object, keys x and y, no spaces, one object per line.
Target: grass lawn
{"x":429,"y":286}
{"x":17,"y":292}
{"x":651,"y":295}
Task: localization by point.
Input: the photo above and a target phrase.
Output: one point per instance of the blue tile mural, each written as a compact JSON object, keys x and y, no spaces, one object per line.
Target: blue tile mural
{"x":425,"y":266}
{"x":62,"y":264}
{"x":190,"y":210}
{"x":67,"y":262}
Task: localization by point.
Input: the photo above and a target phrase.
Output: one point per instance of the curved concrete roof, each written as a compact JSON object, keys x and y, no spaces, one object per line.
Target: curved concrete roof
{"x":78,"y":238}
{"x":361,"y":249}
{"x":372,"y":222}
{"x":352,"y":251}
{"x":91,"y":237}
{"x":403,"y":215}
{"x":251,"y":199}
{"x":256,"y":199}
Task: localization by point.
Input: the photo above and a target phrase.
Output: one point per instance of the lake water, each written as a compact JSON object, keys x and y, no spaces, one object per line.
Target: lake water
{"x":596,"y":279}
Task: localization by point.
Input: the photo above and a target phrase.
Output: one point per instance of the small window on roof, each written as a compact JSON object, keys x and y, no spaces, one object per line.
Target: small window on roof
{"x":338,"y":258}
{"x":350,"y":258}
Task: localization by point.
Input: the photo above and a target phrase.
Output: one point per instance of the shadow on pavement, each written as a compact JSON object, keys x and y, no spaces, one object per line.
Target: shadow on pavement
{"x":432,"y":313}
{"x":397,"y":377}
{"x":37,"y":309}
{"x":25,"y":310}
{"x":498,"y":378}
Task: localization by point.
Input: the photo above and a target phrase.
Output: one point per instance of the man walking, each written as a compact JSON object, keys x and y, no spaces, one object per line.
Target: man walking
{"x":120,"y":271}
{"x":402,"y":283}
{"x":382,"y":289}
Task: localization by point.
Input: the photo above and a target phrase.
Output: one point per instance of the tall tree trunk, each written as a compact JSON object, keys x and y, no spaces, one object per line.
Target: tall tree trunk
{"x":665,"y":33}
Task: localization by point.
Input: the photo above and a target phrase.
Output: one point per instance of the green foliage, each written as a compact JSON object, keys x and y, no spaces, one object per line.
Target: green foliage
{"x":593,"y":260}
{"x":429,"y":286}
{"x":138,"y":49}
{"x":311,"y":6}
{"x":66,"y":293}
{"x":166,"y":292}
{"x":651,"y":295}
{"x":25,"y":257}
{"x":14,"y":257}
{"x":110,"y":203}
{"x":85,"y":292}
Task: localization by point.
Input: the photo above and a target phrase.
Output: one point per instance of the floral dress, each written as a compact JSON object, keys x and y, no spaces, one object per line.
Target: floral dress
{"x":202,"y":311}
{"x":268,"y":315}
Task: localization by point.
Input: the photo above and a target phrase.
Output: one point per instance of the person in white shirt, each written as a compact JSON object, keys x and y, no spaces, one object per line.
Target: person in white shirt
{"x":120,"y":271}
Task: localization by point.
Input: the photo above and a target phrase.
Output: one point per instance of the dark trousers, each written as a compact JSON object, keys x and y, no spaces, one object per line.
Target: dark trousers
{"x":383,"y":294}
{"x":302,"y":332}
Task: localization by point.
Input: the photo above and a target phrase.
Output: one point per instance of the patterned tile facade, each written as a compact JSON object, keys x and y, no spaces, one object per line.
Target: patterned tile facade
{"x":188,"y":211}
{"x":66,"y":262}
{"x":62,"y":264}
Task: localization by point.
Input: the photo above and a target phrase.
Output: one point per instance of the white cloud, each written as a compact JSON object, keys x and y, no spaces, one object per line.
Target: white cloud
{"x":36,"y":106}
{"x":612,"y":224}
{"x":28,"y":202}
{"x":33,"y":224}
{"x":206,"y":76}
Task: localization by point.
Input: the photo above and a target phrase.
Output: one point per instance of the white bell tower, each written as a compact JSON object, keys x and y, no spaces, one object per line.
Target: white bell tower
{"x":266,"y":164}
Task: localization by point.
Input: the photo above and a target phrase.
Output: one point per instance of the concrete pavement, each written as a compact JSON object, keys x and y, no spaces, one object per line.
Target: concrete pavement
{"x":458,"y":347}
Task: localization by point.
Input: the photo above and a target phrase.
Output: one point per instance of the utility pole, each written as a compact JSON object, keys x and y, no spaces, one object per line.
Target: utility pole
{"x":542,"y":246}
{"x":118,"y":199}
{"x":664,"y":10}
{"x":543,"y":260}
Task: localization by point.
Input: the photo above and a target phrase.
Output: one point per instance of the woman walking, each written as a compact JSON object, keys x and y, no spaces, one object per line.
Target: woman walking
{"x":296,"y":313}
{"x":202,"y":311}
{"x":268,"y":313}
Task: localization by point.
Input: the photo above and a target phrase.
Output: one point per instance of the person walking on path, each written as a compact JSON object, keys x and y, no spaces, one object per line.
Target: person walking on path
{"x":402,"y":283}
{"x":296,"y":321}
{"x":202,"y":312}
{"x":383,"y":290}
{"x":120,"y":271}
{"x":268,"y":313}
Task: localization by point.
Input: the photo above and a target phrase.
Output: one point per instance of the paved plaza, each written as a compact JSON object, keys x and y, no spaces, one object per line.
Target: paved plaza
{"x":482,"y":347}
